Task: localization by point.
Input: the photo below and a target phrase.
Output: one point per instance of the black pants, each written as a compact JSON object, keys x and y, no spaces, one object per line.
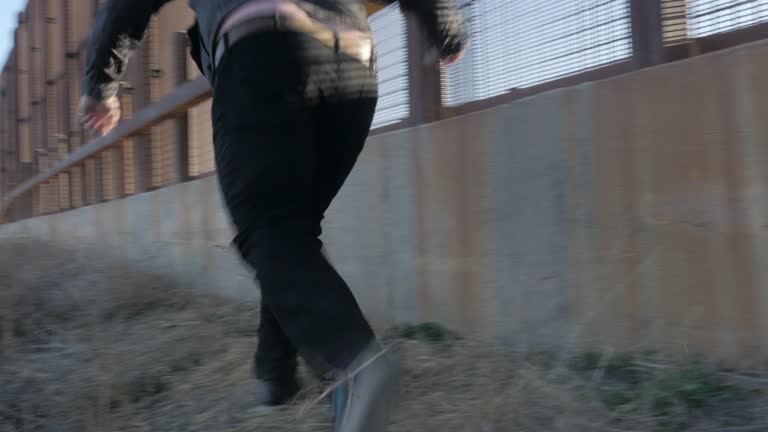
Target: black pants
{"x":290,"y":117}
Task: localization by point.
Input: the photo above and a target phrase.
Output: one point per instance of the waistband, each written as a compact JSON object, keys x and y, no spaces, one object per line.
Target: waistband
{"x":355,"y":46}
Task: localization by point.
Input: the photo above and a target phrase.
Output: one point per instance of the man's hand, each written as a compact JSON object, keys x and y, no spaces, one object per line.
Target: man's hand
{"x":99,"y":117}
{"x":433,"y":56}
{"x":453,"y":59}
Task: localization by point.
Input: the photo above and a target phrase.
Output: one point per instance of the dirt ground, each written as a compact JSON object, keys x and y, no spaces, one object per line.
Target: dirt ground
{"x":89,"y":345}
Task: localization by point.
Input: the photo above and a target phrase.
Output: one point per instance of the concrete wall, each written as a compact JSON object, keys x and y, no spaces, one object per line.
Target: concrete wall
{"x":628,"y":213}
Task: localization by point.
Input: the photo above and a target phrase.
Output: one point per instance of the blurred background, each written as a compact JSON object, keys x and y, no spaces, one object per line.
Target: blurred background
{"x":581,"y":200}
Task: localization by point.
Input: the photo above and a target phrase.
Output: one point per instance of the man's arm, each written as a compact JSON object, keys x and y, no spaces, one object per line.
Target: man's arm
{"x":441,"y":21}
{"x":118,"y":29}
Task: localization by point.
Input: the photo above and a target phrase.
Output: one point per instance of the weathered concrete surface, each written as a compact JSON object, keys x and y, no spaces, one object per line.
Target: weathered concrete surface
{"x":628,"y":213}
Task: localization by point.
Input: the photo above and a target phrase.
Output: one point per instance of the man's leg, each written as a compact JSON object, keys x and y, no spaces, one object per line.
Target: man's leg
{"x":363,"y":400}
{"x":275,"y":362}
{"x":343,"y":128}
{"x":264,"y":134}
{"x":275,"y":359}
{"x":253,"y":141}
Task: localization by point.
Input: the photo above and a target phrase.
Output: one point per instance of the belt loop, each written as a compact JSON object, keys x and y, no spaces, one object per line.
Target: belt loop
{"x":371,"y":61}
{"x":277,"y":20}
{"x":336,"y":41}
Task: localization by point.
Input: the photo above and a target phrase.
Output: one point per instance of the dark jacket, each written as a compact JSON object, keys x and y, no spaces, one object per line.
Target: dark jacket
{"x":120,"y":27}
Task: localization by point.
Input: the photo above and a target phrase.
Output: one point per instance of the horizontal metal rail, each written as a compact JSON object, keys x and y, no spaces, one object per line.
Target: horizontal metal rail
{"x":182,"y":98}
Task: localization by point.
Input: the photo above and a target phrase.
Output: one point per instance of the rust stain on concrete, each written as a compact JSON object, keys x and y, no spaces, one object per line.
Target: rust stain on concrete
{"x":740,"y":241}
{"x":608,"y":151}
{"x":420,"y":229}
{"x":471,"y":188}
{"x":575,"y":206}
{"x":754,"y":93}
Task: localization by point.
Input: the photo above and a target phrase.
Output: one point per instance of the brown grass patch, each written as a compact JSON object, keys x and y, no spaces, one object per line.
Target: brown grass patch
{"x":89,"y":345}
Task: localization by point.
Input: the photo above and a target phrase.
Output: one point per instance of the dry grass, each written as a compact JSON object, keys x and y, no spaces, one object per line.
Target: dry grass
{"x":91,"y":346}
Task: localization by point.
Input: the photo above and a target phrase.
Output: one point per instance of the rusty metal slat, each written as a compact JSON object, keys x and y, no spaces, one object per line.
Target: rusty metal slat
{"x":180,"y":123}
{"x":425,"y":85}
{"x":647,"y":32}
{"x":185,"y":96}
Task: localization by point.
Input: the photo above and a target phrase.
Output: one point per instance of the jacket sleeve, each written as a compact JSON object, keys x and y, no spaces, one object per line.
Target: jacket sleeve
{"x":442,"y":22}
{"x":117,"y":32}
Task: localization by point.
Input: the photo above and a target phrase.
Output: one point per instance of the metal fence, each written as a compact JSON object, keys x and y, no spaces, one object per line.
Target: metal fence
{"x":707,"y":17}
{"x":517,"y":48}
{"x":522,"y":43}
{"x":388,"y":27}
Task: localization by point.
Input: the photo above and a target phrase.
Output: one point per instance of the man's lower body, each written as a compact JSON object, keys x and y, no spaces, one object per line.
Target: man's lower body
{"x":290,"y":117}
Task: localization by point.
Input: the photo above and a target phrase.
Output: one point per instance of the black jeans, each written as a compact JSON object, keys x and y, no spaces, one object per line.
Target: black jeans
{"x":290,"y":117}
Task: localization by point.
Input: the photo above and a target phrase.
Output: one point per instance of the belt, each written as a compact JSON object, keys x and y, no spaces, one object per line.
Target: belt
{"x":360,"y":49}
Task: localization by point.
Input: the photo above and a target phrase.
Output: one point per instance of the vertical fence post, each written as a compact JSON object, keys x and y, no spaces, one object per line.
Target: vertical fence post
{"x":180,"y":122}
{"x":142,"y":149}
{"x":89,"y":184}
{"x":647,"y":33}
{"x":142,"y":156}
{"x":65,"y":199}
{"x":75,"y":187}
{"x":118,"y":172}
{"x":83,"y":185}
{"x":98,"y":178}
{"x":424,"y":77}
{"x":28,"y":208}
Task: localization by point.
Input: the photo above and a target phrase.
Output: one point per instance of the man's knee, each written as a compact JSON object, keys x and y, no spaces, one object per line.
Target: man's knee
{"x":276,"y":243}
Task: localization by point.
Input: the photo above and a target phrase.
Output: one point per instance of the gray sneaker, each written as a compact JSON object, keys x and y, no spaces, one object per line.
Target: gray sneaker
{"x":363,"y":402}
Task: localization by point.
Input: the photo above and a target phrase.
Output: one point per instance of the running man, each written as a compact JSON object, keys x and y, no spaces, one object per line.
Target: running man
{"x":294,"y":93}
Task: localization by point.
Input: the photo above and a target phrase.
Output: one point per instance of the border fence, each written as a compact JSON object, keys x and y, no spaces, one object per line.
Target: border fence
{"x":517,"y":48}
